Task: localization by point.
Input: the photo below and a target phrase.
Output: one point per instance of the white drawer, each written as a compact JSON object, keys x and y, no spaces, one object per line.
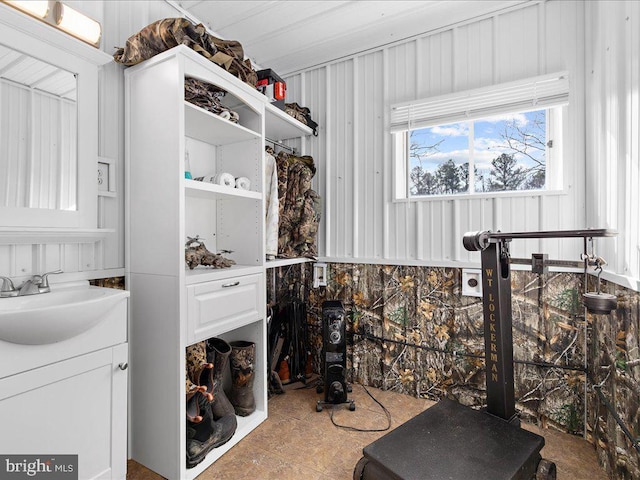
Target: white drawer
{"x":222,"y":305}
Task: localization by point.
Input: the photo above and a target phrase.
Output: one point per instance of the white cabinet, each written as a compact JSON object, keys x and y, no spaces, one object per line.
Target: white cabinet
{"x":172,"y":306}
{"x":78,"y":407}
{"x":70,"y":397}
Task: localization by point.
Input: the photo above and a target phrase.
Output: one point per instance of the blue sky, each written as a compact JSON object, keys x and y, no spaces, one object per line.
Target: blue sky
{"x":488,"y":143}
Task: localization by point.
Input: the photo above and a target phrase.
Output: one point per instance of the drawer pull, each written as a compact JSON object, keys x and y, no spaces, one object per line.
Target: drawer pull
{"x":123,"y":366}
{"x":232,"y":284}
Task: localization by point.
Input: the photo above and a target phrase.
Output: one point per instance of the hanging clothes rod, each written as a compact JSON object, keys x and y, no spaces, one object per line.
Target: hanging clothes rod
{"x":275,"y":143}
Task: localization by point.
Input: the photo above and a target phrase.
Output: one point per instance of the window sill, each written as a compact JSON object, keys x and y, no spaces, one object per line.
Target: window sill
{"x":486,"y":196}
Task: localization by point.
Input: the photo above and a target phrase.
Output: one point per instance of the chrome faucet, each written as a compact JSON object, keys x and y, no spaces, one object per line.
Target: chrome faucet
{"x":7,"y":289}
{"x":37,"y":284}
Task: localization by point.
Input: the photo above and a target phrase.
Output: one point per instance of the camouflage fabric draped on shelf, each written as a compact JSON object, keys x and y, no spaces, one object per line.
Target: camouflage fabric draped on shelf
{"x":299,"y":206}
{"x":302,"y":114}
{"x":207,"y":96}
{"x":170,"y":32}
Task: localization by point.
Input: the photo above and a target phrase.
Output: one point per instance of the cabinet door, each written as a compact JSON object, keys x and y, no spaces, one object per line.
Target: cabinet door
{"x":222,"y":305}
{"x":119,"y":411}
{"x":68,"y":408}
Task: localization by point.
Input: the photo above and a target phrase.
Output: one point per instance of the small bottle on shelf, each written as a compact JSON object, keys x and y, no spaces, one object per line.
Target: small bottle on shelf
{"x":187,"y":166}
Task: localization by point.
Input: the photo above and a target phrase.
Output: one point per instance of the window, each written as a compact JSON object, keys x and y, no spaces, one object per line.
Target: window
{"x":501,"y":139}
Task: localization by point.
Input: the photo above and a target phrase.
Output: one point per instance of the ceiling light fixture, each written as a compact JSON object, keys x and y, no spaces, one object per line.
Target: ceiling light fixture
{"x":37,"y":9}
{"x":77,"y":24}
{"x":62,"y":17}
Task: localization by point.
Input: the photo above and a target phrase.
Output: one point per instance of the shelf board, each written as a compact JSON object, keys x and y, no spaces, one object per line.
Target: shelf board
{"x":213,"y":129}
{"x":207,"y":274}
{"x":279,"y":125}
{"x":194,"y":188}
{"x":283,"y":262}
{"x":37,"y":235}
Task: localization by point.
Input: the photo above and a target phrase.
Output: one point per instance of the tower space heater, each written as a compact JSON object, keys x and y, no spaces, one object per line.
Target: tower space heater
{"x":334,"y":355}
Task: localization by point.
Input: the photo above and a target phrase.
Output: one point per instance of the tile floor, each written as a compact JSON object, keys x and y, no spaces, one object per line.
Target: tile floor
{"x":298,"y":443}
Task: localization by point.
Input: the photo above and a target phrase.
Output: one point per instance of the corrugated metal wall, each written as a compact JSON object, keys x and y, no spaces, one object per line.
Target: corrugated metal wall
{"x":613,"y":130}
{"x":351,"y":98}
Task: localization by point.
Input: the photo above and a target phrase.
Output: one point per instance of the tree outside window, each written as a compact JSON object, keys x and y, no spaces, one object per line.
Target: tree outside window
{"x":501,"y":153}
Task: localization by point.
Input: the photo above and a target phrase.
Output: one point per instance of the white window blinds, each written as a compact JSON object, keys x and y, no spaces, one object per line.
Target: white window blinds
{"x":523,"y":95}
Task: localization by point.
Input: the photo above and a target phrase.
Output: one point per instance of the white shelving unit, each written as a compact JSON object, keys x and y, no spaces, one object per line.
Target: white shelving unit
{"x":172,"y":306}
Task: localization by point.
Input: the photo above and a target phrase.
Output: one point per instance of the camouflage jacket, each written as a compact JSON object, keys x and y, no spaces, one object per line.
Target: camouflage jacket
{"x":299,"y":207}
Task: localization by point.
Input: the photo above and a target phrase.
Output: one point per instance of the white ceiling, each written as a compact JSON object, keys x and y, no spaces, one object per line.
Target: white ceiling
{"x":290,"y":35}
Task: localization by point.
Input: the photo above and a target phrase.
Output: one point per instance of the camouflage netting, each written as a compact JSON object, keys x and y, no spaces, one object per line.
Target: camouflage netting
{"x":426,"y":340}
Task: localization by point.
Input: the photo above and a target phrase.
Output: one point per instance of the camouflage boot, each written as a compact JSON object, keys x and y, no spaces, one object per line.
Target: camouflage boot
{"x":242,"y":375}
{"x":199,"y":371}
{"x":192,"y":392}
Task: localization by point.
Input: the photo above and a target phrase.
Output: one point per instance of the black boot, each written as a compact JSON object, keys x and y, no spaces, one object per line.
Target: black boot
{"x":218,"y":352}
{"x":204,"y":436}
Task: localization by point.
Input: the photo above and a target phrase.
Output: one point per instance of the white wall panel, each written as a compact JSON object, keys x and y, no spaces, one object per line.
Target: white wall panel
{"x":369,"y":156}
{"x":529,"y":40}
{"x":474,"y":56}
{"x":341,"y":152}
{"x":436,"y":63}
{"x":613,"y":130}
{"x":517,"y":44}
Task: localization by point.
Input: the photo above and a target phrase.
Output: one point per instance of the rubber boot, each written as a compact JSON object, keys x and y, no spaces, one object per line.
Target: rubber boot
{"x":242,"y":375}
{"x":218,"y":352}
{"x":204,"y":436}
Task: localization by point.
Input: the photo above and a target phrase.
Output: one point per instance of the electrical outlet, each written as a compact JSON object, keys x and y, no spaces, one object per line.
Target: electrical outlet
{"x":103,"y":177}
{"x":319,"y":275}
{"x":472,"y":282}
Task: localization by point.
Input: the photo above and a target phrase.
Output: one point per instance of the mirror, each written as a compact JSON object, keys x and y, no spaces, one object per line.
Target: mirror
{"x":52,"y":169}
{"x":38,"y":134}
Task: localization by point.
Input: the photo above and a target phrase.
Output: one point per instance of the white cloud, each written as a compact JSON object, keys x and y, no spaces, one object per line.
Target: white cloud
{"x":519,"y":118}
{"x":488,"y":143}
{"x":456,"y":130}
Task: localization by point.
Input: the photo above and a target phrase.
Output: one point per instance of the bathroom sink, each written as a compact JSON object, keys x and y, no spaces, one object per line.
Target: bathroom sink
{"x":57,"y":315}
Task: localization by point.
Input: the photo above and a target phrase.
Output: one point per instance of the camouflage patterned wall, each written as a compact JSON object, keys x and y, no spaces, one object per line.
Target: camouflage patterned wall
{"x":412,"y":331}
{"x":614,"y":365}
{"x":113,"y":282}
